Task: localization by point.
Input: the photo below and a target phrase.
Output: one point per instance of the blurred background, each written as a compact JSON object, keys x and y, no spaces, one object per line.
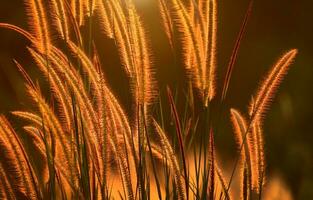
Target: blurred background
{"x":274,"y":27}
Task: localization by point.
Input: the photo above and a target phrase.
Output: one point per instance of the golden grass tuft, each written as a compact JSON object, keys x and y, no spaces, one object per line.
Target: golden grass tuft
{"x":88,"y":142}
{"x":38,"y":23}
{"x":197,"y":24}
{"x":268,"y":87}
{"x":60,"y":18}
{"x":22,"y":179}
{"x":170,"y":157}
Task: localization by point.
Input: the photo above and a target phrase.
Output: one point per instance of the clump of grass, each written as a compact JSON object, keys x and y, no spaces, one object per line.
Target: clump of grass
{"x":90,"y":148}
{"x":197,"y":23}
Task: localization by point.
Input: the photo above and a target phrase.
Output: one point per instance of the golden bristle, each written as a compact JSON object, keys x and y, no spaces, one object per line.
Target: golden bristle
{"x":247,"y":152}
{"x":89,"y":114}
{"x":167,"y":21}
{"x":33,"y":131}
{"x":121,"y":129}
{"x":77,"y":8}
{"x":171,"y":158}
{"x":198,"y":25}
{"x":121,"y":153}
{"x":19,"y":30}
{"x":89,"y":7}
{"x":130,"y":37}
{"x":29,"y":116}
{"x":60,"y":18}
{"x":267,"y":89}
{"x":58,"y":87}
{"x":88,"y":67}
{"x":222,"y":182}
{"x":144,"y":83}
{"x":123,"y":120}
{"x":75,"y":82}
{"x":35,"y":135}
{"x":88,"y":140}
{"x":253,"y":149}
{"x":38,"y":23}
{"x":51,"y":120}
{"x":61,"y":139}
{"x":101,"y":89}
{"x":211,"y":58}
{"x":260,"y":159}
{"x":16,"y":158}
{"x":6,"y":189}
{"x":122,"y":40}
{"x":102,"y":92}
{"x":240,"y":128}
{"x":105,"y":17}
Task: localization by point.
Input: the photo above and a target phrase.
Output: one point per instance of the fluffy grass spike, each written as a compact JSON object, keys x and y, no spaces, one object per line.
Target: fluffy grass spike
{"x":268,"y":87}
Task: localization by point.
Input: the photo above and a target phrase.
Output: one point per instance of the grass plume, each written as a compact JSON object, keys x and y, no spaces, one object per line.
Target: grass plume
{"x":38,"y":23}
{"x":268,"y":87}
{"x":197,"y":24}
{"x":93,"y":145}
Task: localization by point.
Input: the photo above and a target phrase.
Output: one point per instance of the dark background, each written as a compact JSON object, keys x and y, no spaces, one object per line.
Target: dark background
{"x":274,"y":28}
